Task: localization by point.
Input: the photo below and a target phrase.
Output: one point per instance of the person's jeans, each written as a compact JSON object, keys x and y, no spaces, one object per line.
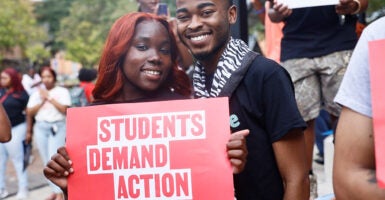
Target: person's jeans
{"x":49,"y":136}
{"x":322,"y":130}
{"x":14,"y":150}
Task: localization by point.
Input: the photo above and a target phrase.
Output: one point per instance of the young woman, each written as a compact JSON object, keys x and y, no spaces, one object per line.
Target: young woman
{"x":49,"y":106}
{"x":14,"y":99}
{"x":139,"y":64}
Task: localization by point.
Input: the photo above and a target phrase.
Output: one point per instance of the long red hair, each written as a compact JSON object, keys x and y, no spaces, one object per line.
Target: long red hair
{"x":111,"y":77}
{"x":15,"y":79}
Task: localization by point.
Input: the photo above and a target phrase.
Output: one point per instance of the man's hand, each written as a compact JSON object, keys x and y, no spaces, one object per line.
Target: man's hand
{"x":348,"y":7}
{"x":237,"y":150}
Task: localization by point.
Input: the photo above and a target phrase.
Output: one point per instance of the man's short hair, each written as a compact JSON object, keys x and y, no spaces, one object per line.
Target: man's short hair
{"x":230,"y":3}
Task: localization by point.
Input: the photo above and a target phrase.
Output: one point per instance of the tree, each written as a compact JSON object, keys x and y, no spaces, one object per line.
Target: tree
{"x":18,"y":27}
{"x":50,"y":13}
{"x":84,"y":30}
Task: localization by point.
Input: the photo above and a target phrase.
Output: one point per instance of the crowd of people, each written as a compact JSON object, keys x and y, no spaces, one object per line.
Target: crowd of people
{"x":146,"y":56}
{"x":32,"y":106}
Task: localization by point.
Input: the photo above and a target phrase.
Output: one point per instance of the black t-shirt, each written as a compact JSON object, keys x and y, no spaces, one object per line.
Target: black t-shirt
{"x":317,"y":31}
{"x":15,"y":105}
{"x":264,"y":103}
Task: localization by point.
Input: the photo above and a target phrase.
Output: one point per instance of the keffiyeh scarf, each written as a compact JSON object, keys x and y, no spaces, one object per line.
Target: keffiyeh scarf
{"x":229,"y":62}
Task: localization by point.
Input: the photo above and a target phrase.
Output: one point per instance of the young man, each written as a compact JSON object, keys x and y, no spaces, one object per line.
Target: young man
{"x":261,"y":100}
{"x":354,"y":170}
{"x":315,"y":49}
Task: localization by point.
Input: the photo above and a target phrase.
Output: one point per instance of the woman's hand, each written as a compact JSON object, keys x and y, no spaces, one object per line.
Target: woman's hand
{"x":59,"y":168}
{"x":237,"y":150}
{"x":43,"y":94}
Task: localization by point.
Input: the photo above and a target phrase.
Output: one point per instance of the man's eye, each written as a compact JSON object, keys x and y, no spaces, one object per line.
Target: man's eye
{"x":207,"y":13}
{"x":182,"y":18}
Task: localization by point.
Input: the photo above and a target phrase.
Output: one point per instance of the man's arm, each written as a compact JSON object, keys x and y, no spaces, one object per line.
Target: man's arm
{"x":291,"y":159}
{"x":354,"y":162}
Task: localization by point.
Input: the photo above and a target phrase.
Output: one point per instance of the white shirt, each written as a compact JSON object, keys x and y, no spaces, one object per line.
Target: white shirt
{"x":354,"y":91}
{"x":28,"y":81}
{"x":48,"y":111}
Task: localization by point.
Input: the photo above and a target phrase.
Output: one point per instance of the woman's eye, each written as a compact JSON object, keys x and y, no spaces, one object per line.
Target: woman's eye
{"x":141,"y":47}
{"x":165,"y":51}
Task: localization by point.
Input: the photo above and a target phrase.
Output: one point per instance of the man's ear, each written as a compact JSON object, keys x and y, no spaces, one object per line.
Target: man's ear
{"x":232,"y":13}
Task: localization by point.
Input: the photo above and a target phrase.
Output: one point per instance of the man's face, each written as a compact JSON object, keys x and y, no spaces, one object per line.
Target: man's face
{"x":148,"y":6}
{"x":204,"y":26}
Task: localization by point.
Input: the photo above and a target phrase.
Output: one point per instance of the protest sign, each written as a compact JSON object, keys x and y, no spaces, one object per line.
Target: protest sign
{"x":307,"y":3}
{"x":377,"y":74}
{"x":154,"y":150}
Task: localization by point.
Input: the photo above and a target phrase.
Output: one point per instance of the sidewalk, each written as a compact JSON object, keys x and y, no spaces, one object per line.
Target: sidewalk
{"x":37,"y":185}
{"x":39,"y":188}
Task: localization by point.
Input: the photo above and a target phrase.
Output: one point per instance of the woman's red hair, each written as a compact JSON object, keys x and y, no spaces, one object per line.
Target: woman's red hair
{"x":111,"y":77}
{"x":15,"y":79}
{"x":50,"y":70}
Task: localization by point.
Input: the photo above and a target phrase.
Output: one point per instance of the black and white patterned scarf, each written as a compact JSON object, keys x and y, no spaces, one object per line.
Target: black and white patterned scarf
{"x":229,"y":62}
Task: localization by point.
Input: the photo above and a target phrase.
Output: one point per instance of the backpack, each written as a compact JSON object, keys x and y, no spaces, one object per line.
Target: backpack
{"x":78,"y":96}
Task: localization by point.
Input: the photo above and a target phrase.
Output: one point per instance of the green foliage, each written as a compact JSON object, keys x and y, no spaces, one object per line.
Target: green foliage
{"x":83,"y":32}
{"x":18,"y":25}
{"x":37,"y":52}
{"x":375,"y":5}
{"x":77,"y":26}
{"x":51,"y":12}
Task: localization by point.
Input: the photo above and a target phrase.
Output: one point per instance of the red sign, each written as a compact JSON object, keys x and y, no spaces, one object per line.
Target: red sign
{"x":377,"y":74}
{"x":155,"y":150}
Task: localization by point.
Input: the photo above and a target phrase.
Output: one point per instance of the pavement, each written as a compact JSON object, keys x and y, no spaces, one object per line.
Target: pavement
{"x":38,"y":186}
{"x":39,"y":190}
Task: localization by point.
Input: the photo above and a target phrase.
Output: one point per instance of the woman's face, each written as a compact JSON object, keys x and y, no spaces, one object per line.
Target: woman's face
{"x":48,"y":79}
{"x":148,"y":60}
{"x":5,"y":80}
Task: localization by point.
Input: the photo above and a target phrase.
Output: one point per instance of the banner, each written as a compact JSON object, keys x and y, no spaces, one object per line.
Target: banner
{"x":377,"y":74}
{"x":307,"y":3}
{"x":154,"y":150}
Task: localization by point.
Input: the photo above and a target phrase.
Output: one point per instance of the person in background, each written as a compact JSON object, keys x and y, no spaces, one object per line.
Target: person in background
{"x":323,"y":128}
{"x":255,"y":19}
{"x":148,"y":6}
{"x":5,"y":126}
{"x":14,"y":99}
{"x":31,"y":80}
{"x":87,"y":78}
{"x":261,"y":99}
{"x":315,"y":49}
{"x":48,"y":106}
{"x":354,"y":170}
{"x":273,"y":36}
{"x":361,"y":23}
{"x":139,"y":64}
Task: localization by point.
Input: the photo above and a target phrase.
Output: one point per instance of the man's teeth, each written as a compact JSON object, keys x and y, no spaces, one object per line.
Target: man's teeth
{"x":151,"y":72}
{"x":198,"y":38}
